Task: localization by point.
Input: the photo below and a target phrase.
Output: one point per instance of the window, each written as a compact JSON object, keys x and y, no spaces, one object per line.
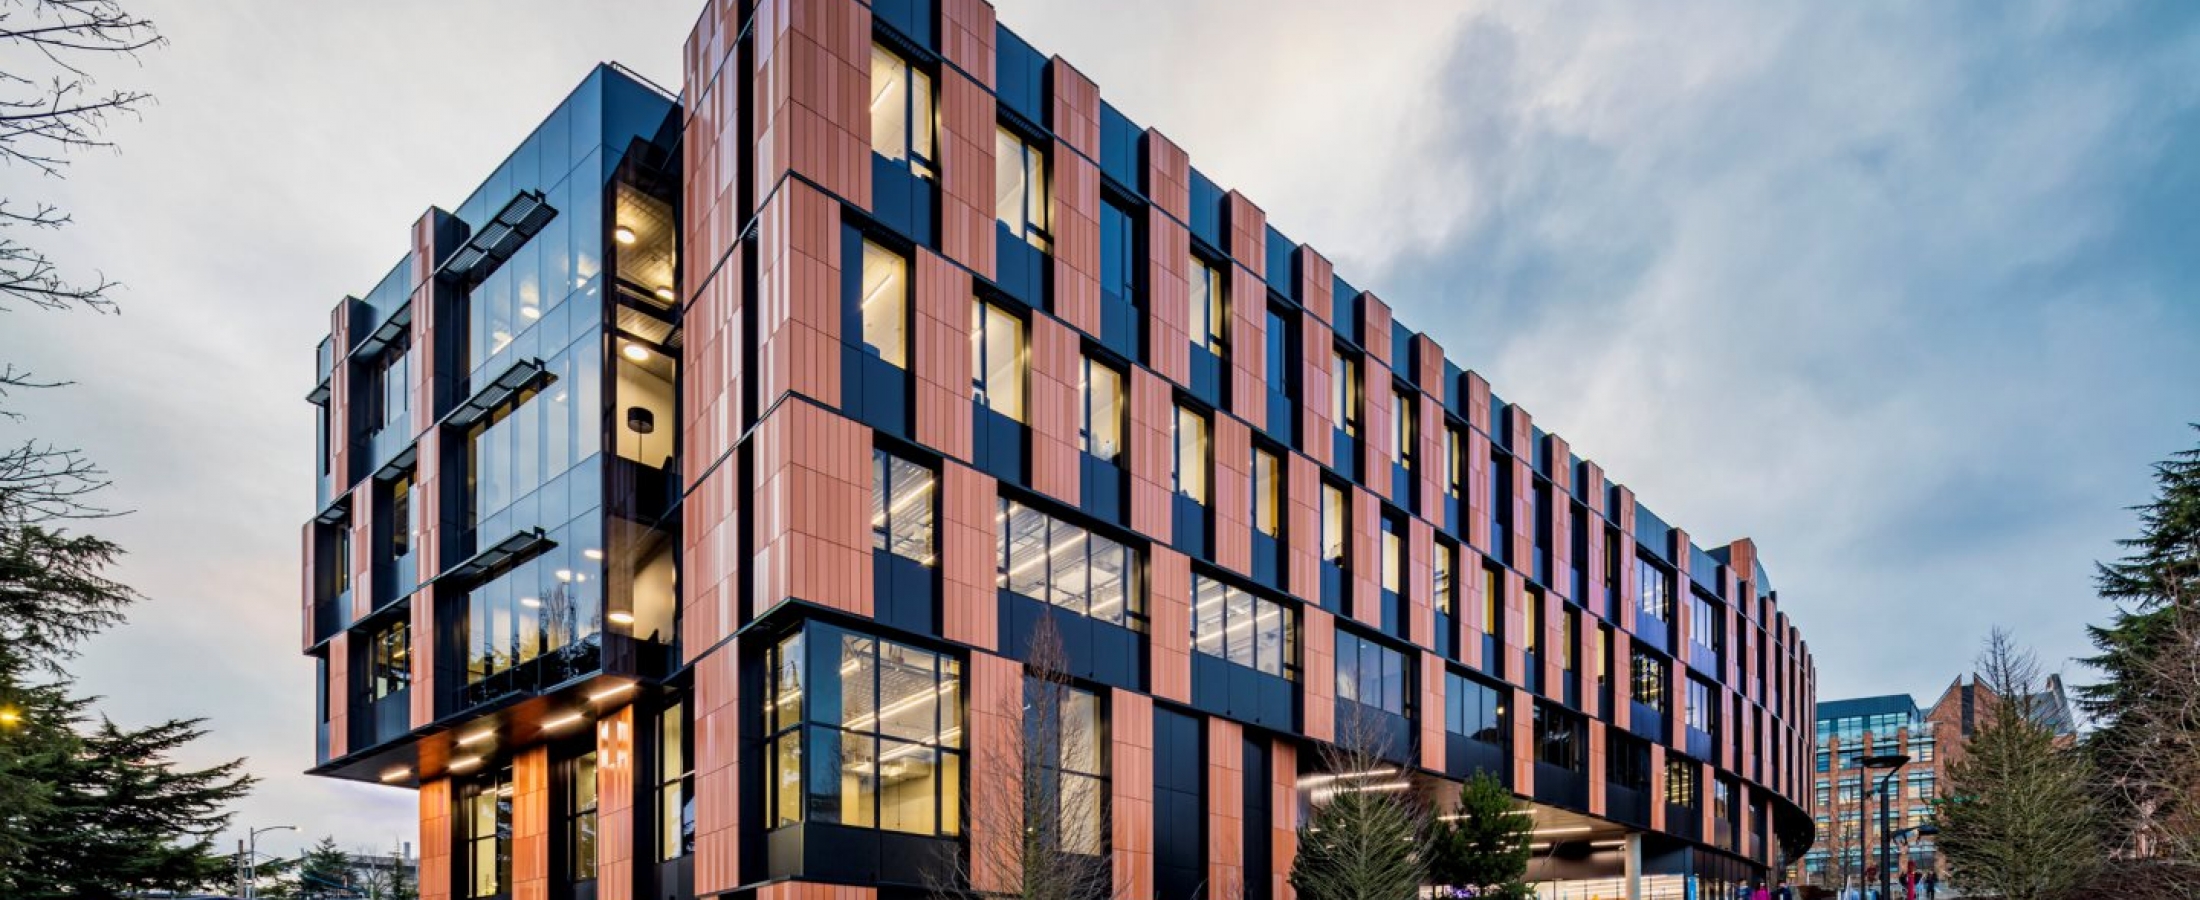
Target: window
{"x":1344,"y":393}
{"x":1333,"y":524}
{"x":1722,"y":799}
{"x":1611,"y":561}
{"x":1102,"y":434}
{"x":1281,"y":353}
{"x":1701,"y":714}
{"x":997,"y":360}
{"x":1244,"y":628}
{"x":1019,"y":187}
{"x":1531,"y":637}
{"x":886,"y":304}
{"x":580,"y":818}
{"x":1267,"y":493}
{"x":1206,"y":322}
{"x":1627,"y":761}
{"x":1604,"y":656}
{"x":1189,"y":475}
{"x":1657,"y":590}
{"x":389,"y":390}
{"x":488,"y":833}
{"x":1569,"y":639}
{"x":1493,"y":599}
{"x":1119,"y":254}
{"x":1443,"y":591}
{"x":1404,"y":430}
{"x":1370,"y":674}
{"x":1075,"y":777}
{"x":883,"y":740}
{"x":389,"y":661}
{"x":1455,"y":465}
{"x":401,"y":516}
{"x":675,"y":784}
{"x":901,"y":111}
{"x":1704,"y":622}
{"x":1474,"y":710}
{"x":1680,"y":782}
{"x":1560,"y":738}
{"x":1052,"y":561}
{"x":1394,"y":556}
{"x":901,"y":507}
{"x":1648,"y":685}
{"x":1921,"y":749}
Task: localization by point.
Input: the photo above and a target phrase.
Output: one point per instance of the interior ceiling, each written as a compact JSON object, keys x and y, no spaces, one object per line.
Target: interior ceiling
{"x":648,"y":261}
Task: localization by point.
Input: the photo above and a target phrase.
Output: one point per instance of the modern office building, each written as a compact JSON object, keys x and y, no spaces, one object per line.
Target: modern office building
{"x":694,"y":495}
{"x":1847,"y":801}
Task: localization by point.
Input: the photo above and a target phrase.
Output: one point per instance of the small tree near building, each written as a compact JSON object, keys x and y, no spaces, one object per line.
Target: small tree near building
{"x":1484,"y":846}
{"x":1363,"y":840}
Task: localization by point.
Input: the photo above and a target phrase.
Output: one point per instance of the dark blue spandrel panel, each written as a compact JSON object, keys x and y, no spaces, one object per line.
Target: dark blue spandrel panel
{"x":1020,"y":76}
{"x":1120,"y":148}
{"x":1206,"y":203}
{"x":1282,"y":264}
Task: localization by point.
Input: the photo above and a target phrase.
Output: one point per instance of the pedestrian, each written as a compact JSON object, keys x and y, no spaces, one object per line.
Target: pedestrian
{"x":1932,"y":884}
{"x":1760,"y":893}
{"x":1784,"y":893}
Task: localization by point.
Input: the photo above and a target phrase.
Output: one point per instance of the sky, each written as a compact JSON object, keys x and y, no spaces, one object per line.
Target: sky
{"x":1908,"y":293}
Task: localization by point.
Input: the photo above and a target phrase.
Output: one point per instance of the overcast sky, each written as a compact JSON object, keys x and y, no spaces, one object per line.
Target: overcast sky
{"x":1906,"y":292}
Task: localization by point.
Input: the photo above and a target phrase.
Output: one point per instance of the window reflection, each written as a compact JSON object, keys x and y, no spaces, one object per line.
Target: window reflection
{"x":1344,"y":393}
{"x":1052,"y":561}
{"x":1189,"y":474}
{"x":1205,"y":318}
{"x":487,"y":854}
{"x":1069,"y":718}
{"x":901,"y":111}
{"x":1473,"y":709}
{"x":886,"y":755}
{"x":902,"y":504}
{"x":886,"y":304}
{"x":1102,"y":388}
{"x":997,"y":360}
{"x":1267,"y":493}
{"x":1370,"y":674}
{"x":1019,"y":187}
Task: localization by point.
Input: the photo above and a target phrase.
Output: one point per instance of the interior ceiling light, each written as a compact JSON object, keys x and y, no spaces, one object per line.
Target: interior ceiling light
{"x":467,"y":763}
{"x":396,"y":774}
{"x":610,"y":692}
{"x":531,"y":602}
{"x":621,"y":617}
{"x":561,"y":722}
{"x":636,"y":352}
{"x":529,"y":312}
{"x":592,"y":553}
{"x":666,"y":294}
{"x":476,"y":738}
{"x":623,"y":234}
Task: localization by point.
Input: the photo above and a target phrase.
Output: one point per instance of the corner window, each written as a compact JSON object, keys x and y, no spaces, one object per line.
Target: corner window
{"x":902,"y":503}
{"x":1102,"y":389}
{"x":1243,"y":627}
{"x":886,"y":304}
{"x":901,"y":111}
{"x":997,"y":360}
{"x":1334,"y":524}
{"x":1344,"y":393}
{"x":1020,"y":187}
{"x":882,"y":741}
{"x":1052,"y":561}
{"x":1370,"y":674}
{"x":1267,"y":493}
{"x":1189,"y":474}
{"x":675,"y":784}
{"x":1205,"y":321}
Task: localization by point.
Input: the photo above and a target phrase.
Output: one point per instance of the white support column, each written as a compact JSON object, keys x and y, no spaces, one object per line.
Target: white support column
{"x":1634,"y":867}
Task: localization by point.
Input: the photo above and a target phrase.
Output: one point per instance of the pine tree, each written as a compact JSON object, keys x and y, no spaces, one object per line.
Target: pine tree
{"x":1362,"y":842}
{"x":1484,"y":845}
{"x":325,"y":871}
{"x":2019,"y":820}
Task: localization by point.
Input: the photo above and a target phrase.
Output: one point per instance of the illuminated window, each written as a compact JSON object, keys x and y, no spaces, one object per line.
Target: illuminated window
{"x":902,"y":518}
{"x":1680,"y":782}
{"x":1344,"y":393}
{"x":901,"y":111}
{"x":997,"y":360}
{"x":1648,"y":685}
{"x":1404,"y":430}
{"x":881,"y":737}
{"x":488,"y":833}
{"x":1189,"y":474}
{"x":1267,"y":493}
{"x":1052,"y":561}
{"x":886,"y":304}
{"x":1656,"y":586}
{"x":1333,"y":524}
{"x":675,"y":784}
{"x":1102,"y":389}
{"x":580,"y":817}
{"x":389,"y":661}
{"x":1394,"y":557}
{"x":1443,"y":590}
{"x":1206,"y":313}
{"x":1243,"y":627}
{"x":1019,"y":187}
{"x":1493,"y":598}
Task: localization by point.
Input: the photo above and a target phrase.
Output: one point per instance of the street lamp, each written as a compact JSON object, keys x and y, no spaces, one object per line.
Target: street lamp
{"x":247,"y":881}
{"x":1893,"y":763}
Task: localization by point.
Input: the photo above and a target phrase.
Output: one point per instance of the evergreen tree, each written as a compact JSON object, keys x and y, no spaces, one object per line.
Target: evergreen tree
{"x":2019,"y":819}
{"x":1362,"y":841}
{"x":1484,"y":846}
{"x":325,"y":871}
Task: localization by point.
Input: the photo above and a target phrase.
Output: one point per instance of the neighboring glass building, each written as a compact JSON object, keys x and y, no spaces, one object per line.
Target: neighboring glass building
{"x":693,"y":498}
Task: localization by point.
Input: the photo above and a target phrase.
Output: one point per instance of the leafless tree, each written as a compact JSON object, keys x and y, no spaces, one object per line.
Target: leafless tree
{"x":2158,"y":771}
{"x":1032,"y":837}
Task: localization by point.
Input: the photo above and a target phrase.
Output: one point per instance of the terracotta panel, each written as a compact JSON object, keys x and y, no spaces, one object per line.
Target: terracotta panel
{"x":711,"y":353}
{"x":1248,"y":346}
{"x":941,"y":354}
{"x":1375,"y":434}
{"x":1598,"y":756}
{"x":812,"y":510}
{"x":1232,"y":527}
{"x":967,"y":124}
{"x":1076,"y":225}
{"x":1131,"y":780}
{"x":1302,"y":529}
{"x":1075,"y":113}
{"x":339,"y":695}
{"x":422,"y":694}
{"x":362,"y":549}
{"x":1430,"y":712}
{"x":1283,"y":812}
{"x":811,"y":93}
{"x":1052,"y":410}
{"x":966,"y":37}
{"x":1473,"y":585}
{"x":1657,"y":786}
{"x":1623,"y":655}
{"x":1248,"y":232}
{"x":1152,"y":424}
{"x":1630,"y":592}
{"x":1523,"y":742}
{"x":1515,"y":621}
{"x":996,"y":704}
{"x":1317,"y":281}
{"x":716,"y":733}
{"x":1478,"y":401}
{"x":434,"y":879}
{"x":531,"y":824}
{"x":1225,"y":808}
{"x":1316,"y":343}
{"x":1592,"y":478}
{"x":798,"y":316}
{"x":1375,"y":329}
{"x":1562,"y":517}
{"x":1168,"y":176}
{"x":615,"y":807}
{"x":1429,"y":416}
{"x":1420,"y":594}
{"x":1168,"y":299}
{"x":1319,"y":669}
{"x":1170,"y":607}
{"x":1364,"y":555}
{"x":969,"y":547}
{"x":712,"y":560}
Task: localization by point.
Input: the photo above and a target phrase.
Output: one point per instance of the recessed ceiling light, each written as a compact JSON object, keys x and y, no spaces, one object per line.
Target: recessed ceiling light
{"x":666,"y":294}
{"x":592,"y":553}
{"x":610,"y":692}
{"x":623,"y":234}
{"x":397,"y":774}
{"x":467,"y":763}
{"x":621,"y":617}
{"x":636,"y":352}
{"x":529,"y":312}
{"x":476,"y":737}
{"x":564,"y":574}
{"x":561,"y":721}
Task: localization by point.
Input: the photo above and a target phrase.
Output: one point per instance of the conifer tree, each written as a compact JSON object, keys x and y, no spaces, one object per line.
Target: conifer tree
{"x":1484,"y":845}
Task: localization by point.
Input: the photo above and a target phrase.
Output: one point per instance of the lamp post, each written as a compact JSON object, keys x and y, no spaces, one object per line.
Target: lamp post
{"x":1893,"y":763}
{"x":248,"y":881}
